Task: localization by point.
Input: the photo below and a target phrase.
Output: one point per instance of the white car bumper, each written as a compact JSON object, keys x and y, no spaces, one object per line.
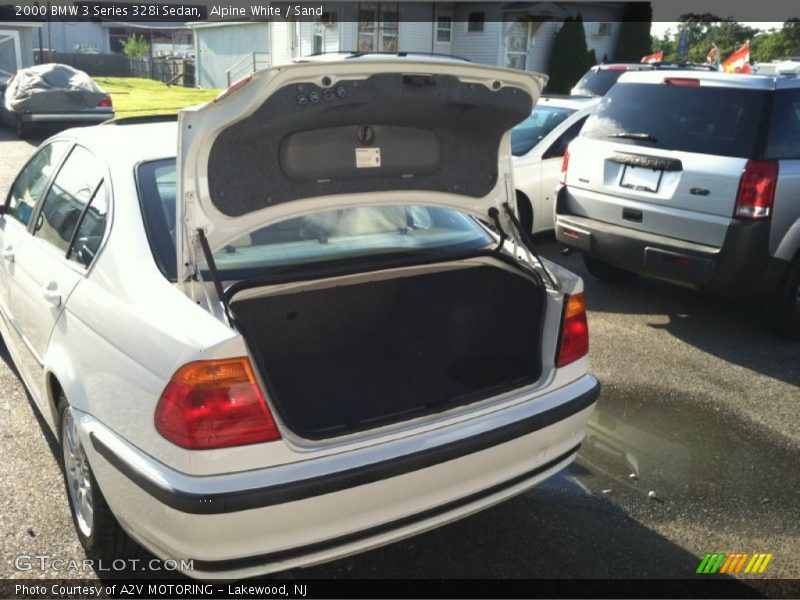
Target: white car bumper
{"x":256,"y":522}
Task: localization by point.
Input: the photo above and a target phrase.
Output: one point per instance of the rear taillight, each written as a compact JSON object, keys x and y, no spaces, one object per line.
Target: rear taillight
{"x":105,"y":102}
{"x":215,"y":404}
{"x":617,"y":68}
{"x":564,"y":166}
{"x":233,"y":87}
{"x":756,"y":190}
{"x":574,"y":342}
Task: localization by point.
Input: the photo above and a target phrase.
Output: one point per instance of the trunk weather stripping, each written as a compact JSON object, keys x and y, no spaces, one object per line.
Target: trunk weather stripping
{"x":212,"y":268}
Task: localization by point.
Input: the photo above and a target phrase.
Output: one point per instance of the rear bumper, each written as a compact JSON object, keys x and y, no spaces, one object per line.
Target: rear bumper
{"x":230,"y":528}
{"x":741,"y":267}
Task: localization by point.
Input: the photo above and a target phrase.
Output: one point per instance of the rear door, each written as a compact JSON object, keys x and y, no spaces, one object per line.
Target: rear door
{"x":67,"y":229}
{"x":665,"y":155}
{"x":552,"y":158}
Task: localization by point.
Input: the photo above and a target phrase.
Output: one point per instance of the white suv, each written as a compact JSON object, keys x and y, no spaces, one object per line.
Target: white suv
{"x":694,"y":178}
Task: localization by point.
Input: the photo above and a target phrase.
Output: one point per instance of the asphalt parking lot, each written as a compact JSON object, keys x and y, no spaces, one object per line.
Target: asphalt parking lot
{"x":695,"y":448}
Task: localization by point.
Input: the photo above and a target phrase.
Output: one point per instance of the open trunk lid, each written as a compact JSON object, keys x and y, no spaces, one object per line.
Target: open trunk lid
{"x":302,"y":138}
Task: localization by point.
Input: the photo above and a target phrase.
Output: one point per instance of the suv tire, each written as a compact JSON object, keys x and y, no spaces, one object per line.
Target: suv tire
{"x":607,"y":272}
{"x":787,"y":306}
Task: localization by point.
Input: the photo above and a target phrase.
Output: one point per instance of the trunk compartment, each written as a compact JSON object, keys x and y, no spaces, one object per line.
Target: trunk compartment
{"x":344,"y":355}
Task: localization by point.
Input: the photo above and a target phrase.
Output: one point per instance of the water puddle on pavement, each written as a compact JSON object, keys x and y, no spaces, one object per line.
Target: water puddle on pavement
{"x":680,"y":451}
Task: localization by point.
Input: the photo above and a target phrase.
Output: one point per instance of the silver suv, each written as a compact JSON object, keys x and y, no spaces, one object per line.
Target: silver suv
{"x":693,"y":178}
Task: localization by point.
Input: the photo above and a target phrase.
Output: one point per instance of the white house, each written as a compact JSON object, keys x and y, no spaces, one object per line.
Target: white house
{"x":516,"y":34}
{"x":16,"y":46}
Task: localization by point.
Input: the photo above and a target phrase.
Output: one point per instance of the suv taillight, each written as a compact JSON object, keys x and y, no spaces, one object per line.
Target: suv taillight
{"x":564,"y":166}
{"x":215,"y":404}
{"x":574,"y":342}
{"x":756,"y":190}
{"x":105,"y":102}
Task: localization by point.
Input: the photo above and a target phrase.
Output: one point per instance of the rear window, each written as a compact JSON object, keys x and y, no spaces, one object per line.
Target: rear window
{"x":597,"y":83}
{"x":784,"y":131}
{"x":541,"y":122}
{"x":721,"y":121}
{"x":319,"y":237}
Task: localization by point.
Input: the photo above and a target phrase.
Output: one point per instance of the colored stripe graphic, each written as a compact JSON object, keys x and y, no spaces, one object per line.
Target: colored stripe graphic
{"x":711,"y":563}
{"x":722,"y":562}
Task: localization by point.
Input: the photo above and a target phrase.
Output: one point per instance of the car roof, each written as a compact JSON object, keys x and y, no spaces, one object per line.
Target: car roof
{"x":712,"y":78}
{"x":129,"y":143}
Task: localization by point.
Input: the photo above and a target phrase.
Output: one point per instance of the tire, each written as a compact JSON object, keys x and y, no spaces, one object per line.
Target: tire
{"x":22,"y":128}
{"x":607,"y":272}
{"x":525,"y":212}
{"x":98,"y":530}
{"x":786,"y":313}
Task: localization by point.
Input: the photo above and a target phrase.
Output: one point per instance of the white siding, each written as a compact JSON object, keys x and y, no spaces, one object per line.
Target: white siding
{"x":603,"y":45}
{"x":444,"y":10}
{"x":279,"y":35}
{"x":220,"y":47}
{"x":481,"y":47}
{"x":415,"y":29}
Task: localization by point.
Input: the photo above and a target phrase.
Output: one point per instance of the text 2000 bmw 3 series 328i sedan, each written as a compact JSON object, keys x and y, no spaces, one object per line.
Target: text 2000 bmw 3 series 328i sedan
{"x":279,"y":331}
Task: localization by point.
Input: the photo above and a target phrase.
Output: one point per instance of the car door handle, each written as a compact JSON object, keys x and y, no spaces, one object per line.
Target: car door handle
{"x":8,"y":255}
{"x":52,"y":294}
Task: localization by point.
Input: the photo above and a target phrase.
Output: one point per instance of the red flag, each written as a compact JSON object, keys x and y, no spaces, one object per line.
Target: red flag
{"x":739,"y":61}
{"x":654,"y":57}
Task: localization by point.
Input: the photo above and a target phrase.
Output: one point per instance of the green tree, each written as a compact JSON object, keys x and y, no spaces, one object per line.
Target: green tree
{"x":570,"y":57}
{"x":135,"y":45}
{"x":668,"y":44}
{"x":634,"y":40}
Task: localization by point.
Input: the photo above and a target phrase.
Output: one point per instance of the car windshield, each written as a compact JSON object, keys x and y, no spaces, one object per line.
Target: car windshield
{"x":531,"y":131}
{"x":319,"y":237}
{"x":722,"y":121}
{"x":597,"y":83}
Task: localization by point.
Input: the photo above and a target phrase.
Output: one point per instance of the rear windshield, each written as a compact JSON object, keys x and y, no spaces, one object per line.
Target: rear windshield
{"x":541,"y":122}
{"x":597,"y":83}
{"x":721,"y":121}
{"x":320,"y":237}
{"x":784,"y":131}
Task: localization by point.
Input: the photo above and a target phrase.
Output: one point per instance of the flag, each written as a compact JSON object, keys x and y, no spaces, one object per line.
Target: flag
{"x":712,"y":57}
{"x":739,"y":61}
{"x":654,"y":57}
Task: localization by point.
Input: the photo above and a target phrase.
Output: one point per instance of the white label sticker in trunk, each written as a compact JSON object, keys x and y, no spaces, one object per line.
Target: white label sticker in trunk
{"x":367,"y":158}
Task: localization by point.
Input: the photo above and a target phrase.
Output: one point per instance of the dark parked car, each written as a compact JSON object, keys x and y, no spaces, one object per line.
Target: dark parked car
{"x":52,"y":94}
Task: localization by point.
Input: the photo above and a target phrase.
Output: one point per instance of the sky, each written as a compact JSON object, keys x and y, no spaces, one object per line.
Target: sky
{"x":659,"y":27}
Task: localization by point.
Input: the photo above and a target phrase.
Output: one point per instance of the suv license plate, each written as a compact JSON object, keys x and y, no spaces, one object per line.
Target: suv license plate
{"x":641,"y":179}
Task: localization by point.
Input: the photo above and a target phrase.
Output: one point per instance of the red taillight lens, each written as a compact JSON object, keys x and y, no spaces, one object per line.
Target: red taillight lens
{"x":564,"y":166}
{"x":574,"y":343}
{"x":617,"y":68}
{"x":215,"y":404}
{"x":757,"y":190}
{"x":682,"y":81}
{"x":105,"y":102}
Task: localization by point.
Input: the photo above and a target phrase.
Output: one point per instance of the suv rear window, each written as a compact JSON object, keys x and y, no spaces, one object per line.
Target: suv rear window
{"x":722,"y":121}
{"x":597,"y":83}
{"x":784,"y":132}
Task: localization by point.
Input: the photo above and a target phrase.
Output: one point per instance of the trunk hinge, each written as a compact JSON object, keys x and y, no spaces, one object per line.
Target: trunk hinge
{"x":519,"y":233}
{"x":212,"y":268}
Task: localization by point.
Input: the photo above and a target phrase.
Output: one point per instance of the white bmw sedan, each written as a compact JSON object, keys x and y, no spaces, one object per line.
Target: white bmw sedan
{"x":279,"y":331}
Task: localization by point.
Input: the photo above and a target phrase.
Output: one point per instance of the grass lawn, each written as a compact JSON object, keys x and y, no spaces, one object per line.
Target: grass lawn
{"x":133,"y":96}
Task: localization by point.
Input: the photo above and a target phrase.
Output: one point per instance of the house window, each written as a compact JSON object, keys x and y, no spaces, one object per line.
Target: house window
{"x":444,"y":27}
{"x":377,"y":27}
{"x":475,"y":21}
